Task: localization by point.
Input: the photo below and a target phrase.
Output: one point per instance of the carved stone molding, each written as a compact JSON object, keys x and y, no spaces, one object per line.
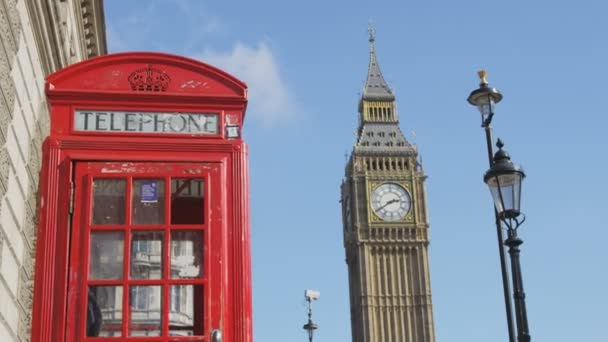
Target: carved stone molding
{"x":5,"y":68}
{"x":10,"y":27}
{"x":7,"y":84}
{"x":29,"y":228}
{"x":5,"y":120}
{"x":93,"y":27}
{"x":15,"y":20}
{"x":25,"y":290}
{"x":1,"y":245}
{"x":33,"y":170}
{"x":57,"y":48}
{"x":25,"y":296}
{"x":10,"y":31}
{"x":4,"y":170}
{"x":43,"y":123}
{"x":24,"y":330}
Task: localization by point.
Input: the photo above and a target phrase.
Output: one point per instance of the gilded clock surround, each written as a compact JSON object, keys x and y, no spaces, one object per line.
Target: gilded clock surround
{"x":388,"y":264}
{"x":373,"y":216}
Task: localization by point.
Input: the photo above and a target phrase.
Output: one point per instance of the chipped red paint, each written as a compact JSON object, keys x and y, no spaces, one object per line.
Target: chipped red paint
{"x":140,"y":82}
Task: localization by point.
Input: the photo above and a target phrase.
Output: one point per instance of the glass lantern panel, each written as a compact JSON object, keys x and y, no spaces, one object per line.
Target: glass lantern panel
{"x":186,"y":254}
{"x":145,"y":307}
{"x":146,"y":255}
{"x":148,"y":201}
{"x":506,"y":191}
{"x":106,"y":255}
{"x":517,"y":194}
{"x":485,"y":107}
{"x":496,"y":196}
{"x":109,"y":201}
{"x":104,"y":311}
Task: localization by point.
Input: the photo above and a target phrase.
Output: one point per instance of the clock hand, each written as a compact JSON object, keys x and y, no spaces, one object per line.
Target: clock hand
{"x":389,"y":202}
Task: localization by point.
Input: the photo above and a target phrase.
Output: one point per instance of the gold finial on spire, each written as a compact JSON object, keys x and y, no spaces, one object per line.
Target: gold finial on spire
{"x":372,"y":31}
{"x":482,"y":77}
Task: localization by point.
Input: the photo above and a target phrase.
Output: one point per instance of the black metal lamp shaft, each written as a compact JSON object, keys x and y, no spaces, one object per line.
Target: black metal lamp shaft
{"x":519,"y":297}
{"x":501,"y":249}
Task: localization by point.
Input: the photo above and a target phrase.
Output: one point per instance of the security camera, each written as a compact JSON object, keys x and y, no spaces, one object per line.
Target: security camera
{"x":312,"y":294}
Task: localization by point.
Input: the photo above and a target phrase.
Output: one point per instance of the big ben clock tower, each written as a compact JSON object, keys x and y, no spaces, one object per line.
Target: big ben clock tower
{"x":386,"y":229}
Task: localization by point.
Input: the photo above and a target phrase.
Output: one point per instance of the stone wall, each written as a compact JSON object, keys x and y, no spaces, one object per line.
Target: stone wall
{"x":37,"y":37}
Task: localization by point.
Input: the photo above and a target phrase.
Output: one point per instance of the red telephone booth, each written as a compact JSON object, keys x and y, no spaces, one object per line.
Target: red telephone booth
{"x":143,"y":204}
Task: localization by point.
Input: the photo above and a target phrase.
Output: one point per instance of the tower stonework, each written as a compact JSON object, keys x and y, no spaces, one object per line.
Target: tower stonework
{"x":385,"y":222}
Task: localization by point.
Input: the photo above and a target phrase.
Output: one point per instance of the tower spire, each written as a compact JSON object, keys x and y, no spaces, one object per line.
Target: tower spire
{"x":376,"y":88}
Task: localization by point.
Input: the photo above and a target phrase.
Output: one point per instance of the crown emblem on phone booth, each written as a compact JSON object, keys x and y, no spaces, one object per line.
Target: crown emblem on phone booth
{"x":149,"y":79}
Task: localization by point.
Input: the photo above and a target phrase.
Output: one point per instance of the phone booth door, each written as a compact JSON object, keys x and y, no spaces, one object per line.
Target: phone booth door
{"x":145,"y":252}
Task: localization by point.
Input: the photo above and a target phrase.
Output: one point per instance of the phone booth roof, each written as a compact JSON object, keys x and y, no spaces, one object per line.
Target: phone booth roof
{"x":145,"y":81}
{"x":125,"y":73}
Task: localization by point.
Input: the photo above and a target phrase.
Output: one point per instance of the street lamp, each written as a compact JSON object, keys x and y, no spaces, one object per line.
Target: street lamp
{"x":504,"y":180}
{"x":310,"y":326}
{"x":485,"y":98}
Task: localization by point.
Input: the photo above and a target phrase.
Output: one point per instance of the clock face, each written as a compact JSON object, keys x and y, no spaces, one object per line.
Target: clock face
{"x":391,"y":202}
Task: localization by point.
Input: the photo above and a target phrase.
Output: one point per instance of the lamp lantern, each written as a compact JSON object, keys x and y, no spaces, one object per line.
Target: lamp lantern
{"x":485,"y":98}
{"x":504,"y":180}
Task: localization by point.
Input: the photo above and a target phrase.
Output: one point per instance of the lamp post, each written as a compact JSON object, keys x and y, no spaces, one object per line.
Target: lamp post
{"x":504,"y":180}
{"x":310,"y":327}
{"x":484,"y":98}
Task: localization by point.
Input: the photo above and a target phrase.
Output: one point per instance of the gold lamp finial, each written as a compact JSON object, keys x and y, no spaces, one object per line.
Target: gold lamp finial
{"x":482,"y":76}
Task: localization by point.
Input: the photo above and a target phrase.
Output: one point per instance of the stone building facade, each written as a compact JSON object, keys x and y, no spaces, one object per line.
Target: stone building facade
{"x":37,"y":37}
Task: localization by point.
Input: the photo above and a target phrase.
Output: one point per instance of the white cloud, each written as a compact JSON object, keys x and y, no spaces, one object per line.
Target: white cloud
{"x":131,"y":29}
{"x":270,"y":100}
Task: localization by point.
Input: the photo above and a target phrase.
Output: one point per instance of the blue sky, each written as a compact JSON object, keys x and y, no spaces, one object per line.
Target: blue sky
{"x":305,"y":63}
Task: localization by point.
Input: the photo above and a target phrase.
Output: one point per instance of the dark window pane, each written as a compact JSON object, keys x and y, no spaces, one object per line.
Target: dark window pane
{"x":104,"y":311}
{"x":146,"y":255}
{"x":187,"y":201}
{"x":106,"y":255}
{"x":186,"y":254}
{"x":109,"y":201}
{"x":148,"y":201}
{"x":186,"y":313}
{"x":145,"y":311}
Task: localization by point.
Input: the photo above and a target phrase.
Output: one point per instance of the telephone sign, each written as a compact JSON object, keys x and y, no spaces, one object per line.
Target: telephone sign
{"x":142,"y":122}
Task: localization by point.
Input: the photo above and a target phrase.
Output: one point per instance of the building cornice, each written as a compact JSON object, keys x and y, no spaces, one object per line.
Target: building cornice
{"x":56,"y":46}
{"x":93,"y":28}
{"x":44,"y":34}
